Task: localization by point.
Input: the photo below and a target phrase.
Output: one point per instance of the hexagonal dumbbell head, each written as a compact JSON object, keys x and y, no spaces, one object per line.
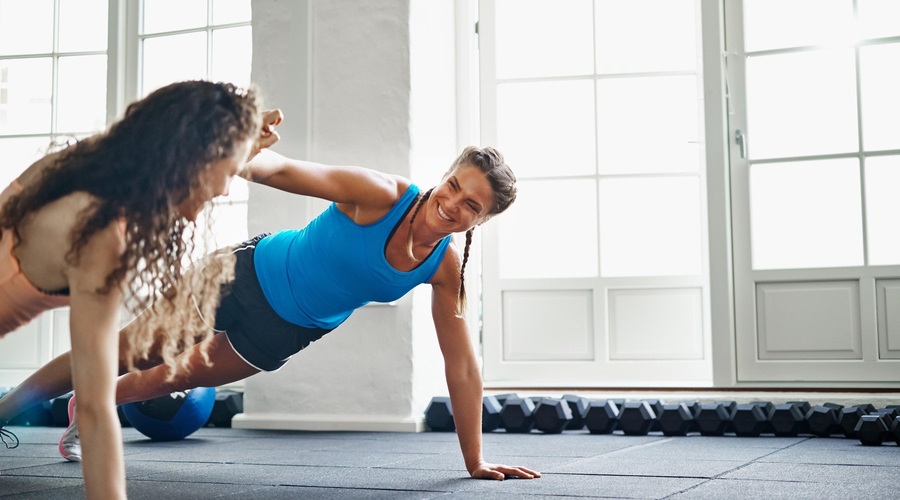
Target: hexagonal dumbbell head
{"x":657,"y":406}
{"x":517,"y":415}
{"x":501,"y":398}
{"x":577,"y":405}
{"x":712,"y":419}
{"x":490,"y":414}
{"x":787,"y":419}
{"x":822,"y":420}
{"x":226,"y":406}
{"x":749,"y":420}
{"x":848,"y":418}
{"x":601,"y":417}
{"x":675,"y":419}
{"x":871,"y":430}
{"x":636,"y":418}
{"x":888,"y":414}
{"x":894,"y":431}
{"x":439,"y":415}
{"x":552,"y":415}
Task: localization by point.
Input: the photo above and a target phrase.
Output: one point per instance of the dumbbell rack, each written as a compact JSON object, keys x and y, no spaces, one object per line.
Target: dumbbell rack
{"x":870,"y":425}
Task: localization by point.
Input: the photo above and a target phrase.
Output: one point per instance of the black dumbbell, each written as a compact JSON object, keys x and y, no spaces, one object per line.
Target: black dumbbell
{"x":657,"y":406}
{"x":577,"y":405}
{"x":227,"y":404}
{"x":675,"y":419}
{"x":517,"y":415}
{"x":501,"y":398}
{"x":712,"y":419}
{"x":848,"y":418}
{"x":490,"y":414}
{"x":749,"y":420}
{"x":439,"y":415}
{"x":601,"y":417}
{"x":894,"y":431}
{"x":788,"y":419}
{"x":887,"y":413}
{"x":822,"y":420}
{"x":636,"y":418}
{"x":730,"y":407}
{"x":552,"y":415}
{"x":803,"y":405}
{"x":871,"y":429}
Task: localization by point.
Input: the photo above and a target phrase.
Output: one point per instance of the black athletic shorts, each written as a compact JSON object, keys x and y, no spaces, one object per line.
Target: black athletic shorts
{"x":256,"y":332}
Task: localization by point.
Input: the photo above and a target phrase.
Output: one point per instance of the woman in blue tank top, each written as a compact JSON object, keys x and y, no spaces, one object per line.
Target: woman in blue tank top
{"x":379,"y":239}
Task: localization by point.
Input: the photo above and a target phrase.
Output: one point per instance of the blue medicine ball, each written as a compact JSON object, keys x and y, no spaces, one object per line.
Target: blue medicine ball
{"x":172,"y":417}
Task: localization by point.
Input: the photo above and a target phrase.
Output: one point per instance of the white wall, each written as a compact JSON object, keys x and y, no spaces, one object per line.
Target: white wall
{"x":341,"y":71}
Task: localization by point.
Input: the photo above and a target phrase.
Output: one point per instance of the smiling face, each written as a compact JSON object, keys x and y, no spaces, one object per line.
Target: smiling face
{"x":214,"y":181}
{"x":463,"y":200}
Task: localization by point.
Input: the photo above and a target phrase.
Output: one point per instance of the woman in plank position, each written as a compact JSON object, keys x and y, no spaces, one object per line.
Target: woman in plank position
{"x":379,"y":239}
{"x":107,"y":222}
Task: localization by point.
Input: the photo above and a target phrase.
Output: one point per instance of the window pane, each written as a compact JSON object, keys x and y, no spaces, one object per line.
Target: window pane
{"x":650,"y":226}
{"x":773,"y":24}
{"x":230,"y":11}
{"x":26,"y":27}
{"x":25,"y":96}
{"x":802,"y":103}
{"x":806,"y":214}
{"x":173,"y":58}
{"x":231,"y":55}
{"x":544,"y":38}
{"x":83,"y":25}
{"x":531,"y":231}
{"x":81,"y":100}
{"x":629,"y":35}
{"x":546,"y":128}
{"x":18,"y":154}
{"x":878,"y":18}
{"x":648,"y":125}
{"x":883,"y":209}
{"x":880,"y":99}
{"x":171,"y":15}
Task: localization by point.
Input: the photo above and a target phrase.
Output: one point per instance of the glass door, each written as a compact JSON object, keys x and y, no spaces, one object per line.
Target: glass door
{"x":815,"y":171}
{"x":598,"y":274}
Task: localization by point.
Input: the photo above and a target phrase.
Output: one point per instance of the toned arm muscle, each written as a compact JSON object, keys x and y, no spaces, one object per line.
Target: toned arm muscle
{"x":94,"y":320}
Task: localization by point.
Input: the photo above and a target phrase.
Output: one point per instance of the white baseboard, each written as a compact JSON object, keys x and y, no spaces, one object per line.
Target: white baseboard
{"x":366,"y":423}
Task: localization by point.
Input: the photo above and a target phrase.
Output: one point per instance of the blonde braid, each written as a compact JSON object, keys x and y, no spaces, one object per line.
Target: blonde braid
{"x":461,"y":302}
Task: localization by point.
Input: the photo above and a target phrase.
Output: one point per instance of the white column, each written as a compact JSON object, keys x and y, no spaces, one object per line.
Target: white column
{"x":341,"y":72}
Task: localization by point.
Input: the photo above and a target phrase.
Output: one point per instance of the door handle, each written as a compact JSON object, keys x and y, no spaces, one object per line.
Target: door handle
{"x":741,"y":140}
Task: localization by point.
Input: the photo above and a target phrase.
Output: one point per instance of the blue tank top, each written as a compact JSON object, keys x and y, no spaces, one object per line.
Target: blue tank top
{"x":317,"y":276}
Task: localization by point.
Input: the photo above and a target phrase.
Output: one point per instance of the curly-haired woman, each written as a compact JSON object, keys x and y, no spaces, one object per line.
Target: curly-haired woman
{"x":107,"y":223}
{"x":380,"y":238}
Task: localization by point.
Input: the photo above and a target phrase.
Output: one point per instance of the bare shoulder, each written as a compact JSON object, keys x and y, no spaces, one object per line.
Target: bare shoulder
{"x":385,"y":189}
{"x":34,"y":171}
{"x":47,"y":237}
{"x":376,"y":194}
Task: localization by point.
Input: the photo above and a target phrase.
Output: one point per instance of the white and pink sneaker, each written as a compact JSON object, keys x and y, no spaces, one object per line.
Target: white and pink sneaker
{"x":69,"y":444}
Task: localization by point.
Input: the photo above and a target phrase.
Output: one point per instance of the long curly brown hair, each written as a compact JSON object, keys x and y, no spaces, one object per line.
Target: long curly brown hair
{"x":139,"y":171}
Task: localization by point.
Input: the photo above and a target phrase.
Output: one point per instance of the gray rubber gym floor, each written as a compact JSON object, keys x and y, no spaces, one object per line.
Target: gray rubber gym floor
{"x":235,"y":463}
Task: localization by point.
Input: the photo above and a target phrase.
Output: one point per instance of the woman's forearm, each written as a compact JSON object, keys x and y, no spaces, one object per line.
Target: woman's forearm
{"x":103,"y":465}
{"x":466,"y":397}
